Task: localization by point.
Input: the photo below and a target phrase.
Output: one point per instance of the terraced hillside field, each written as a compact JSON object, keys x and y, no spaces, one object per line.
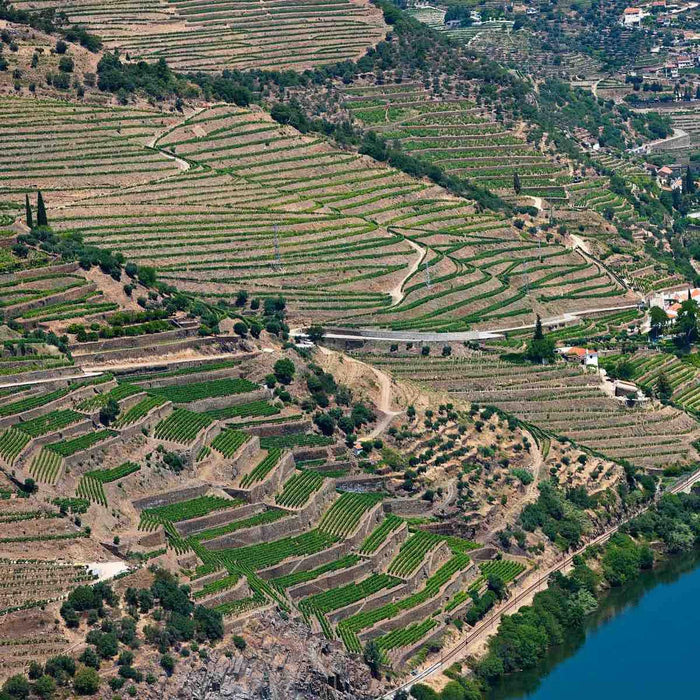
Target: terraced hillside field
{"x":342,"y":237}
{"x":455,"y":134}
{"x":208,"y":35}
{"x":562,"y":399}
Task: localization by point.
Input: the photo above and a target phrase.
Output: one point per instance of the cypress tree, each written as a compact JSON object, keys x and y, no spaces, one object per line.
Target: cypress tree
{"x":689,"y":184}
{"x":516,"y":183}
{"x":41,"y":218}
{"x":28,"y":210}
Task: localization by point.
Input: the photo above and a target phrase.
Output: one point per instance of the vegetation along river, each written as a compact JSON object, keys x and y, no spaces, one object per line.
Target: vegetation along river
{"x":641,"y":643}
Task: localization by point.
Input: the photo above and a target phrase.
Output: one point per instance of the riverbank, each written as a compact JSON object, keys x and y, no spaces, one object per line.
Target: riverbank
{"x":638,"y":627}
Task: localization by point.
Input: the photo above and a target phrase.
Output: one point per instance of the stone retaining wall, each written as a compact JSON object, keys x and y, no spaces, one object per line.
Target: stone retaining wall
{"x":131,"y":342}
{"x":70,"y":431}
{"x":149,"y":421}
{"x":407,"y":506}
{"x":24,"y":377}
{"x":70,"y":400}
{"x":64,"y":269}
{"x":333,"y":579}
{"x":169,"y":497}
{"x":92,"y":457}
{"x":370,"y":603}
{"x":213,"y":403}
{"x":270,"y":484}
{"x":274,"y":429}
{"x":298,"y":522}
{"x":194,"y":377}
{"x":202,"y":581}
{"x":221,"y":517}
{"x":405,"y":653}
{"x":424,"y":610}
{"x":57,"y":298}
{"x":237,"y":592}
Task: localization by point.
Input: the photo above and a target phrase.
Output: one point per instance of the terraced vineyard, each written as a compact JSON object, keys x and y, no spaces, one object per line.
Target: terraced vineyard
{"x":562,"y":399}
{"x":458,"y":136}
{"x":359,"y":243}
{"x":202,"y":35}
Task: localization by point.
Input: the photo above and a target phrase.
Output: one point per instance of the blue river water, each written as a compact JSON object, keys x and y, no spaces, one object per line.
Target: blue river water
{"x":641,"y":643}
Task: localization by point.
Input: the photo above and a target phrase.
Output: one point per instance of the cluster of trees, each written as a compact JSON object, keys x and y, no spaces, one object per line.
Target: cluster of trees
{"x":49,"y":21}
{"x":174,"y":619}
{"x":349,"y":423}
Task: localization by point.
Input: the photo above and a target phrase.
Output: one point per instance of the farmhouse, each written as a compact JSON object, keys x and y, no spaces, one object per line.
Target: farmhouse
{"x":584,"y":356}
{"x":632,"y":17}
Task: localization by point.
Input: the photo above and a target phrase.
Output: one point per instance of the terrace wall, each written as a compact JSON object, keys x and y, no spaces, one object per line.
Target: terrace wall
{"x":181,"y":364}
{"x":95,"y":454}
{"x":238,"y":592}
{"x":424,"y":610}
{"x":169,"y":497}
{"x":370,"y":603}
{"x":68,"y":295}
{"x":69,"y":400}
{"x":199,"y":583}
{"x":300,"y":426}
{"x":270,"y":484}
{"x":149,"y":421}
{"x":405,"y":653}
{"x":300,"y":521}
{"x":221,"y":517}
{"x":407,"y":506}
{"x":64,"y":269}
{"x":214,"y":402}
{"x":24,"y":377}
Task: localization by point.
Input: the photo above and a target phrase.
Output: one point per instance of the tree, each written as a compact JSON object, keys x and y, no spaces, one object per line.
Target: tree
{"x":686,"y":326}
{"x":41,"y":218}
{"x":315,"y":334}
{"x":17,"y":687}
{"x":373,"y":657}
{"x":688,"y":182}
{"x":167,"y":663}
{"x":28,"y":211}
{"x":664,"y":390}
{"x":658,"y":322}
{"x":284,"y":370}
{"x":109,"y":412}
{"x":45,"y":687}
{"x":240,"y":328}
{"x":539,"y":348}
{"x":86,"y":682}
{"x":516,"y":183}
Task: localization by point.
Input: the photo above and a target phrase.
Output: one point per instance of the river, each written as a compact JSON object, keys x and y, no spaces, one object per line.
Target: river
{"x":641,"y":643}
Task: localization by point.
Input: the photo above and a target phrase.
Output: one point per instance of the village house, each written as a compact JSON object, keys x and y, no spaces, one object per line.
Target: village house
{"x":632,"y":17}
{"x":584,"y":356}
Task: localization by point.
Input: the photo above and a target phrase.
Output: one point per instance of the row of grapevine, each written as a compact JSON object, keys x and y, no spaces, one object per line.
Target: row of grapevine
{"x":182,"y":426}
{"x":351,"y":626}
{"x":267,"y":516}
{"x":46,"y":466}
{"x":184,"y":510}
{"x":260,"y":556}
{"x":345,"y":514}
{"x":91,"y":483}
{"x":505,"y":569}
{"x":65,"y":448}
{"x":229,"y":441}
{"x":186,"y":393}
{"x":138,"y":411}
{"x":413,"y":552}
{"x":254,"y":409}
{"x":295,"y":440}
{"x":337,"y":598}
{"x":262,"y":469}
{"x":284,"y":582}
{"x":379,"y":535}
{"x":49,"y":423}
{"x":12,"y":442}
{"x":406,"y":636}
{"x":298,"y":489}
{"x":222,"y":584}
{"x":118,"y":393}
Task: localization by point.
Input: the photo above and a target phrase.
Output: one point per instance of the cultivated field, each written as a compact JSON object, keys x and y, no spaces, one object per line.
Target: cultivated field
{"x":463,"y":139}
{"x":251,"y":204}
{"x":203,"y":35}
{"x":559,"y":398}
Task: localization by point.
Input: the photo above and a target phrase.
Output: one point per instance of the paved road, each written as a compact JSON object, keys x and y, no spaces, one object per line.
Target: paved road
{"x":487,"y":626}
